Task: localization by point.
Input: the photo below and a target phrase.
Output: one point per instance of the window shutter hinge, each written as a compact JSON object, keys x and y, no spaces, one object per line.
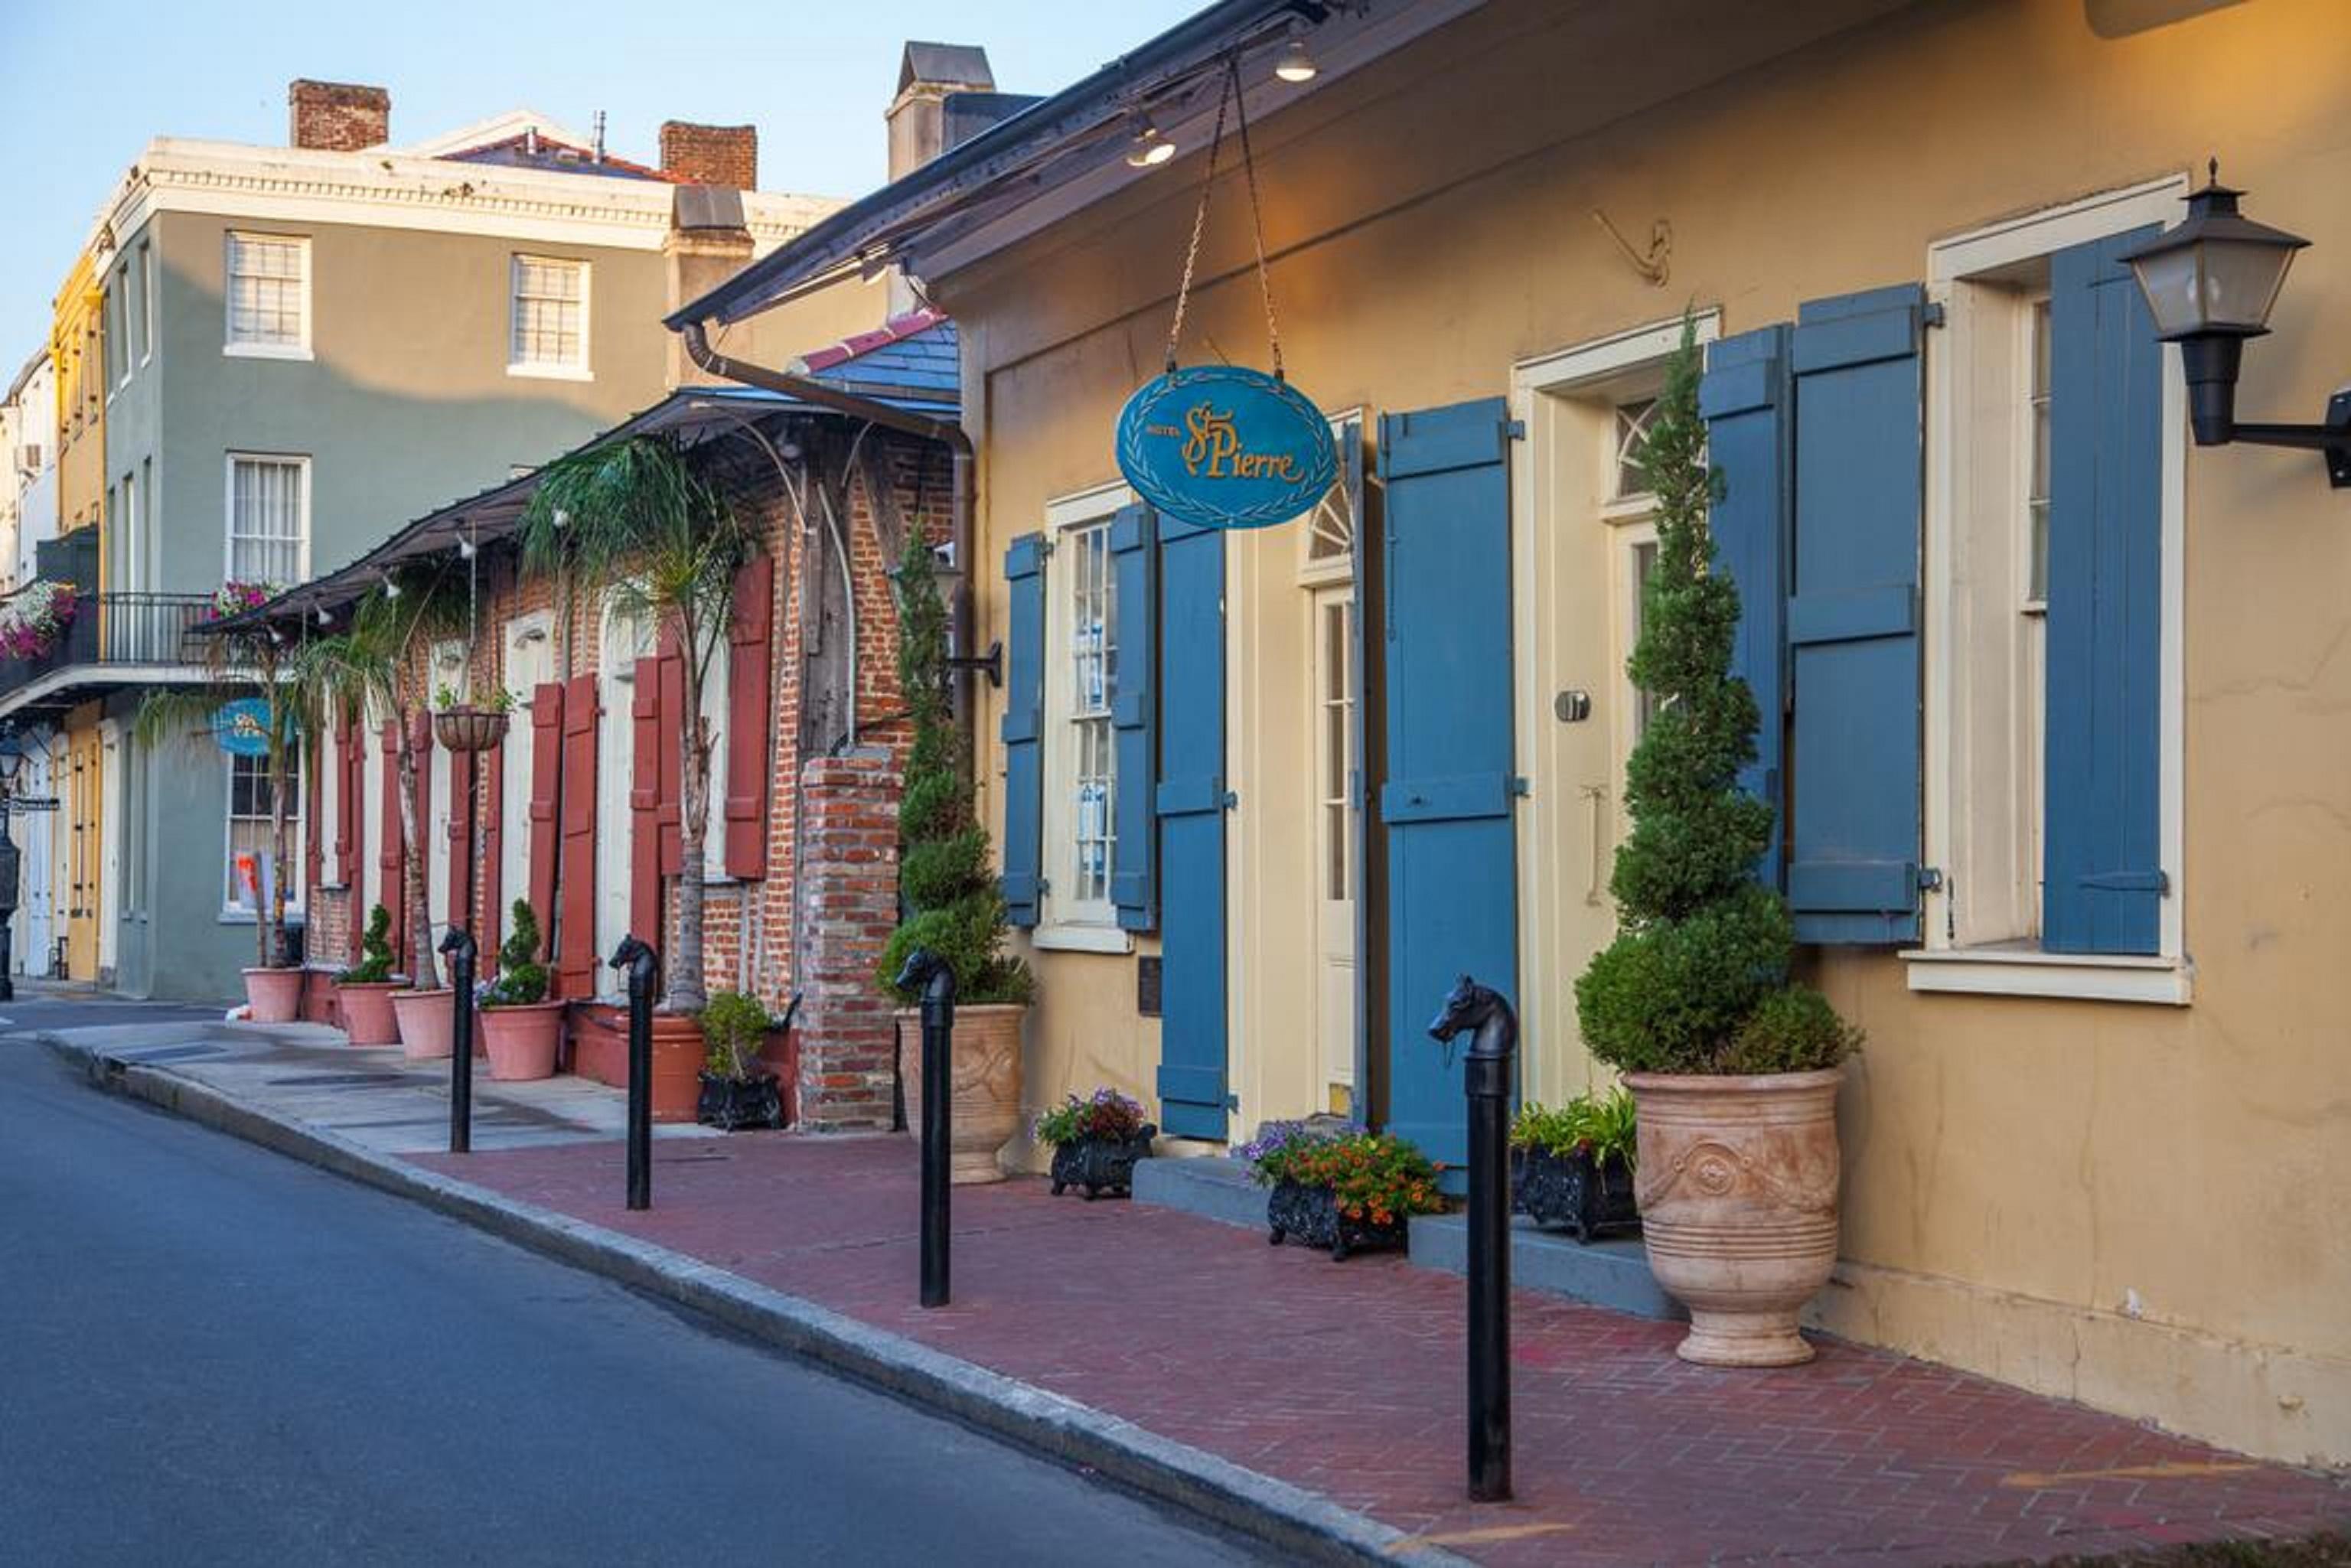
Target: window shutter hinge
{"x":1232,"y":1102}
{"x":1044,"y":886}
{"x":1931,"y":314}
{"x":1514,"y":429}
{"x":1230,"y":799}
{"x":1930,"y":878}
{"x":1520,"y":787}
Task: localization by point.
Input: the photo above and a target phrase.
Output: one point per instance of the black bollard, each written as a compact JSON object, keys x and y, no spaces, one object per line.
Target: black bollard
{"x":462,"y":952}
{"x":938,"y":981}
{"x":644,"y":968}
{"x":1492,"y":1046}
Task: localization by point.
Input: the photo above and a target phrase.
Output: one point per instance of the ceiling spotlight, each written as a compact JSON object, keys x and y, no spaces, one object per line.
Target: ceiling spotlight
{"x":325,"y":619}
{"x":562,"y":517}
{"x":391,"y":587}
{"x":464,"y":550}
{"x":1149,"y":148}
{"x":1295,"y":64}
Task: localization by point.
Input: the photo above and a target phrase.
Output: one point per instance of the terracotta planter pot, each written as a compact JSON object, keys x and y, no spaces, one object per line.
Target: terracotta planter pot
{"x":1738,"y":1190}
{"x":273,"y":996}
{"x":427,"y":1024}
{"x":599,"y":1049}
{"x":986,"y":1079}
{"x":522,"y":1040}
{"x":368,"y":1017}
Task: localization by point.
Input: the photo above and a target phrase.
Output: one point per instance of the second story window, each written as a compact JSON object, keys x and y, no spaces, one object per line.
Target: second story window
{"x":268,"y":519}
{"x":548,"y":331}
{"x":268,"y":290}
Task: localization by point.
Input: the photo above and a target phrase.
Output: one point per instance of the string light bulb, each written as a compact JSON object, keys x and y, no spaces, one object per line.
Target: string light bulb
{"x":1150,"y":146}
{"x":1295,"y":64}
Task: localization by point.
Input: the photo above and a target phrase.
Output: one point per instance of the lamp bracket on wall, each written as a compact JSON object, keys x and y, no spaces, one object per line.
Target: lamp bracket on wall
{"x":990,"y":663}
{"x":1657,"y":264}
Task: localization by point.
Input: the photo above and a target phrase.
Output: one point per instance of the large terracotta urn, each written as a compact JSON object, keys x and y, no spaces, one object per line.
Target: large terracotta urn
{"x":273,"y":996}
{"x":367,"y":1010}
{"x":428,"y":1026}
{"x":1738,"y":1188}
{"x":521,"y":1039}
{"x":987,"y":1078}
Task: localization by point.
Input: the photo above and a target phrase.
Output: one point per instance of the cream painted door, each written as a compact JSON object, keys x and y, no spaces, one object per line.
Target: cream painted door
{"x":1333,"y":807}
{"x":529,"y":664}
{"x":625,"y":641}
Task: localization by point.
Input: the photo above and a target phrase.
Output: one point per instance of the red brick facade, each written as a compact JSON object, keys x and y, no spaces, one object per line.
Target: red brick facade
{"x":337,"y":116}
{"x":849,"y":903}
{"x":725,"y":155}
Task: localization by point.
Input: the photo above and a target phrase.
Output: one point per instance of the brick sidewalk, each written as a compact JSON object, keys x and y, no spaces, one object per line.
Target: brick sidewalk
{"x":1347,"y":1378}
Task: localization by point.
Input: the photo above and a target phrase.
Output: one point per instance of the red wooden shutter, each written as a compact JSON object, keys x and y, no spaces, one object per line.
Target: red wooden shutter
{"x":461,"y":839}
{"x":670,"y":810}
{"x":490,"y":919}
{"x":390,"y":865}
{"x":314,"y":822}
{"x":545,"y":831}
{"x":750,"y":660}
{"x":575,"y":964}
{"x":420,"y":755}
{"x":646,"y":830}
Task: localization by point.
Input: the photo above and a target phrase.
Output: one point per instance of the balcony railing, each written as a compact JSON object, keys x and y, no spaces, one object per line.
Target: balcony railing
{"x":119,"y":629}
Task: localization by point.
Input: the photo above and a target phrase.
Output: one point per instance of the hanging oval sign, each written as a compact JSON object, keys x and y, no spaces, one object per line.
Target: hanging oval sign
{"x":241,"y":726}
{"x":1225,"y":447}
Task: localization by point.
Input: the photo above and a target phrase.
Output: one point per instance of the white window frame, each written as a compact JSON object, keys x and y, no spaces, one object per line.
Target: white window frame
{"x":231,"y":344}
{"x":715,"y":708}
{"x":118,"y":326}
{"x":1970,"y":701}
{"x":1088,"y":924}
{"x":228,"y":508}
{"x":298,"y":843}
{"x":582,"y":369}
{"x":147,"y":300}
{"x":1320,"y":571}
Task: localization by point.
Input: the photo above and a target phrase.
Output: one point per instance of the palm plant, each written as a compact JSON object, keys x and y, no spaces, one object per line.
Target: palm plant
{"x":256,"y":661}
{"x":361,"y":671}
{"x":633,"y":521}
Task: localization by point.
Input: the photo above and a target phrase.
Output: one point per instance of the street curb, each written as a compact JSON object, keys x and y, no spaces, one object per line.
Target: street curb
{"x":1299,"y":1522}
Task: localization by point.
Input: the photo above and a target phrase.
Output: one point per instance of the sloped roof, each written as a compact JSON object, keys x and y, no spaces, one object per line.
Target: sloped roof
{"x":963,"y":65}
{"x":906,"y":360}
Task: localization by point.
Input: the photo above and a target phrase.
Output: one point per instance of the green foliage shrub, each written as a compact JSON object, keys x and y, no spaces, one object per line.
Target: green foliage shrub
{"x":374,"y":968}
{"x":1698,"y":979}
{"x":522,"y":979}
{"x":734,"y":1028}
{"x":1604,"y":1124}
{"x":950,"y":897}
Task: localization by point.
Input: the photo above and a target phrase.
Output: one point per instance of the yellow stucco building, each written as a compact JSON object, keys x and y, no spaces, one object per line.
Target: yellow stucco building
{"x":82,"y":347}
{"x":2059,"y":694}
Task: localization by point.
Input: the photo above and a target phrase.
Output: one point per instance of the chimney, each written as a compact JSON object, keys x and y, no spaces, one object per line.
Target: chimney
{"x":337,"y":116}
{"x":916,"y":118}
{"x":707,"y":244}
{"x":726,"y":155}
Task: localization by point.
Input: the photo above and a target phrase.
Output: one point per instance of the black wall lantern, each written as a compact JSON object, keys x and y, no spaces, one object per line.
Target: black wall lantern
{"x":2210,"y":283}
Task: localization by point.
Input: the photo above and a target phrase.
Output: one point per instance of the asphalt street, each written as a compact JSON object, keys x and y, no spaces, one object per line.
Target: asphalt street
{"x":210,"y":1353}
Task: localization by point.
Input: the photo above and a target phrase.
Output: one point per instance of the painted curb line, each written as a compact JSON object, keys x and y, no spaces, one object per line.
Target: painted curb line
{"x":1297,"y":1521}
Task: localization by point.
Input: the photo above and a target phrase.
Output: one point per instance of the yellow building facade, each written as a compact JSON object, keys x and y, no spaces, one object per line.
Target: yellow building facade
{"x":85,"y":378}
{"x":2112,"y":1175}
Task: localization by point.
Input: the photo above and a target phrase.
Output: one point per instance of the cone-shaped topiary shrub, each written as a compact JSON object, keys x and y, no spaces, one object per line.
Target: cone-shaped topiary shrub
{"x":947,"y":894}
{"x":374,"y":968}
{"x":522,"y":978}
{"x":1698,"y":979}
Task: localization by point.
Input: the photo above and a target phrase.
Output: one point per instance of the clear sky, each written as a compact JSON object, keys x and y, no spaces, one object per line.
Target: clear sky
{"x":84,"y":86}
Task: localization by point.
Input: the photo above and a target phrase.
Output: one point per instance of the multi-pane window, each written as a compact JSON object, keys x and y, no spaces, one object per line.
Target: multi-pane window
{"x":118,"y":334}
{"x":1632,"y":434}
{"x":251,"y":806}
{"x":2036,"y":490}
{"x":268,"y":518}
{"x":269,"y":293}
{"x":1093,"y":666}
{"x":1336,"y":698}
{"x":1645,"y":569}
{"x":549,"y":319}
{"x":146,"y":316}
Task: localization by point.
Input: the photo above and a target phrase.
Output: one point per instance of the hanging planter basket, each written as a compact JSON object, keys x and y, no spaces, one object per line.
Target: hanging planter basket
{"x":469,"y":728}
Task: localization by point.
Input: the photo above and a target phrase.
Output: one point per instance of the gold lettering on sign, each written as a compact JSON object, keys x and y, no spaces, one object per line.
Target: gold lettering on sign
{"x":1213,"y":451}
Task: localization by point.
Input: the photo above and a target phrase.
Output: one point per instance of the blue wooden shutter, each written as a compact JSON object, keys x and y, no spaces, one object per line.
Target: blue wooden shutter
{"x":1134,"y":714}
{"x":1852,"y":618}
{"x":1191,"y":803}
{"x":1750,"y":441}
{"x":1023,"y":731}
{"x":1445,"y":804}
{"x":2103,"y":882}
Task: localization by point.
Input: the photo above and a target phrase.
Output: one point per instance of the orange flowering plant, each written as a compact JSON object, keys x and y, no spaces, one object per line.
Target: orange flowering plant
{"x":1376,"y":1178}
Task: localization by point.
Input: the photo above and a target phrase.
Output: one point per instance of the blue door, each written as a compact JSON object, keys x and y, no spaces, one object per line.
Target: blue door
{"x":1191,"y":800}
{"x":1446,"y":801}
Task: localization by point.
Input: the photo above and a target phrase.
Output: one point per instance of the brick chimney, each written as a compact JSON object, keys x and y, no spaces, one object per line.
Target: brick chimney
{"x":916,"y":118}
{"x":726,"y":155}
{"x":337,"y":116}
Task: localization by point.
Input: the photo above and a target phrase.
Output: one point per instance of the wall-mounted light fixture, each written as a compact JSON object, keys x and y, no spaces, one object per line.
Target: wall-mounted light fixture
{"x":946,"y":578}
{"x":2211,"y":282}
{"x":1149,"y":148}
{"x":1294,"y":64}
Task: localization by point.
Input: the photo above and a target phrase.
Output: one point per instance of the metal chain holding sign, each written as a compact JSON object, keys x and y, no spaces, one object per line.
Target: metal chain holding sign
{"x":1229,"y":98}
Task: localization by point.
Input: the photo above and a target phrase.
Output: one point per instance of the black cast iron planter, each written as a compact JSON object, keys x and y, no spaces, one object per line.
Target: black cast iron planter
{"x":731,"y":1104}
{"x":1574,"y":1192}
{"x":1312,"y":1215}
{"x":1100,"y":1164}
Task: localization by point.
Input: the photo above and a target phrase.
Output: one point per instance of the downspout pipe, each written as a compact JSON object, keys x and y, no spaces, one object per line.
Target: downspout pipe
{"x":962,"y":497}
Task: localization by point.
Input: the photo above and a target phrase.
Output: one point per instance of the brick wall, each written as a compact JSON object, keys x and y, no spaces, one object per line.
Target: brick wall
{"x":849,"y":904}
{"x":337,"y":116}
{"x":725,"y":155}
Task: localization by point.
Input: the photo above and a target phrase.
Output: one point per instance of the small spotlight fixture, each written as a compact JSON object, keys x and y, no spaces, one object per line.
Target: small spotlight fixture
{"x":1150,"y":146}
{"x":325,"y":619}
{"x":392,"y":587}
{"x":1295,"y":64}
{"x":464,"y":550}
{"x":562,"y":518}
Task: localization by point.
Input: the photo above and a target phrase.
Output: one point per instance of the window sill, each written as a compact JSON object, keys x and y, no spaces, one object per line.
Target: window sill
{"x":265,"y":351}
{"x":552,"y":373}
{"x":1082,"y":939}
{"x":2020,"y":971}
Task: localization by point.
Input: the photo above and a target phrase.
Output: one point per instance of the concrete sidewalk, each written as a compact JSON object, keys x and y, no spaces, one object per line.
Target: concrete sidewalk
{"x":1319,"y":1406}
